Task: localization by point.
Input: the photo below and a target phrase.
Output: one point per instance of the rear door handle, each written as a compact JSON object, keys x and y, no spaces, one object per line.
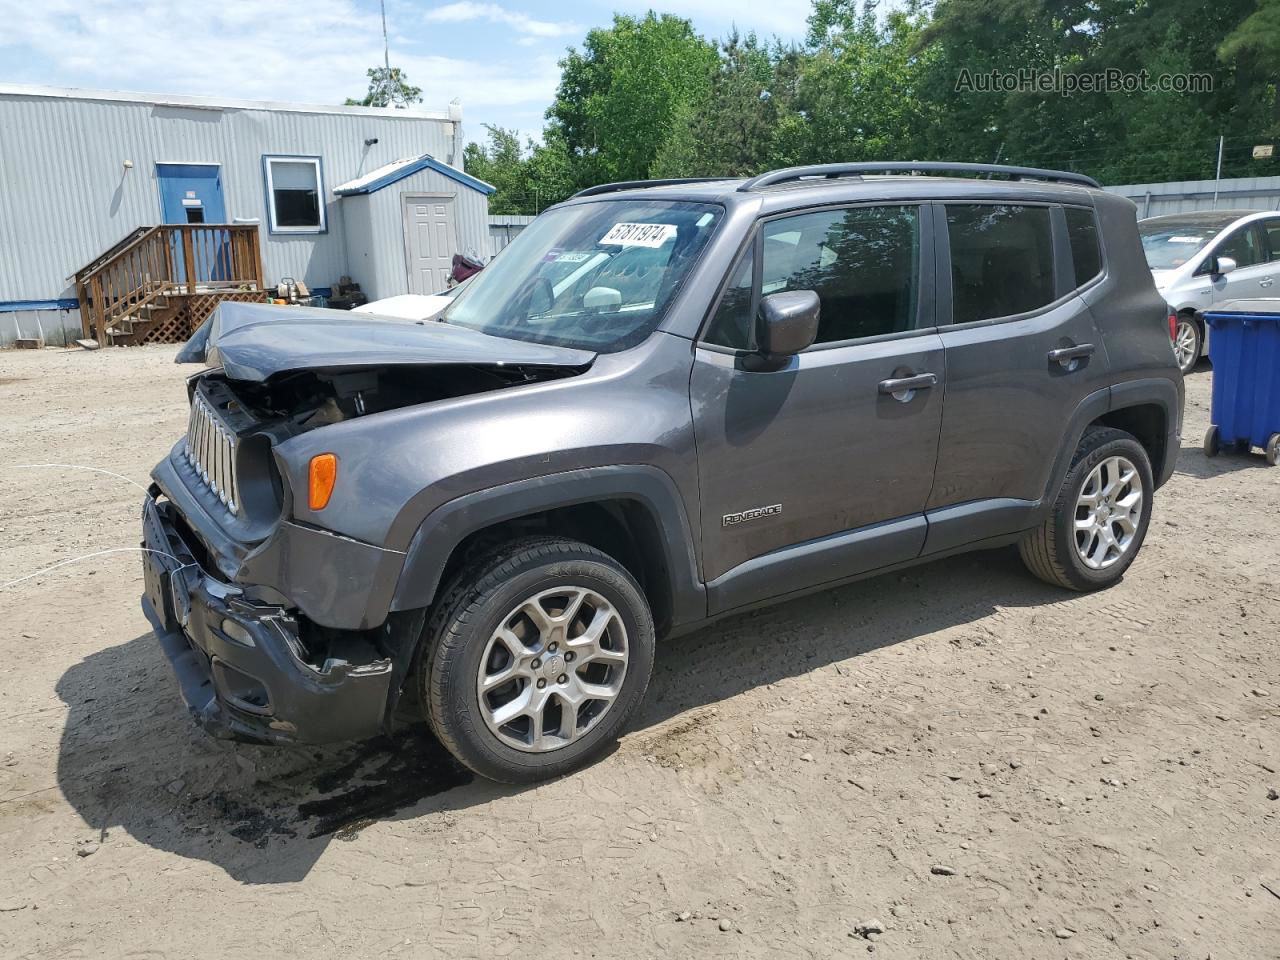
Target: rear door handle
{"x":903,"y":388}
{"x":1265,"y":282}
{"x":1067,"y":356}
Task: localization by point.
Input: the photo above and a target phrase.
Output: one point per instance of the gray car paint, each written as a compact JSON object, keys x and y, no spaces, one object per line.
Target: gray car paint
{"x":254,"y":341}
{"x":727,"y":442}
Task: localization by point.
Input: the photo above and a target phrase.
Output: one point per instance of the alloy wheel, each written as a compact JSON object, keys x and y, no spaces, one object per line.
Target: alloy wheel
{"x":1108,"y":513}
{"x":552,"y":669}
{"x":1186,"y":343}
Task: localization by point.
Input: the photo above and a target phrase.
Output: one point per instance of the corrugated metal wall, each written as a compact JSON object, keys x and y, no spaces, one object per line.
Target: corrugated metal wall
{"x":1240,"y":193}
{"x":375,"y":229}
{"x":503,"y":228}
{"x":67,"y":196}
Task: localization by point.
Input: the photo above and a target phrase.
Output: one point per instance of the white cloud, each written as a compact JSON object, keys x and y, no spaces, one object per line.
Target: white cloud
{"x":252,"y":49}
{"x":466,"y":10}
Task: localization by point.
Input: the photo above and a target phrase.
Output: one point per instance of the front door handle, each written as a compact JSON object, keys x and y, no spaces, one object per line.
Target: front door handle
{"x":1265,"y":282}
{"x":904,"y":388}
{"x":1068,"y":357}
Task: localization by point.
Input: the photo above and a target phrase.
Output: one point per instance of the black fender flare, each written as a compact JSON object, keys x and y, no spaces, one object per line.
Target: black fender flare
{"x":1163,"y":392}
{"x":1167,"y":394}
{"x":442,"y":530}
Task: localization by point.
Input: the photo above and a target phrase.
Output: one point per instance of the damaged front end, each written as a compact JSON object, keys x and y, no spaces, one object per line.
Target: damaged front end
{"x":279,"y":630}
{"x":253,"y":670}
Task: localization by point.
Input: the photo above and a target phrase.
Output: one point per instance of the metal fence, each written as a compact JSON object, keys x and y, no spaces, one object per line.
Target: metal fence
{"x":1241,"y":193}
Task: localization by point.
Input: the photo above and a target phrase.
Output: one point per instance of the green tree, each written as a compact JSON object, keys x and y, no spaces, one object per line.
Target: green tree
{"x":619,"y":96}
{"x":528,"y":177}
{"x":859,"y":91}
{"x":387,"y":88}
{"x":733,"y":129}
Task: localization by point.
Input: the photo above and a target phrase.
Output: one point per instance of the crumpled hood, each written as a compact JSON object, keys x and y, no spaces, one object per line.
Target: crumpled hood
{"x":254,"y":341}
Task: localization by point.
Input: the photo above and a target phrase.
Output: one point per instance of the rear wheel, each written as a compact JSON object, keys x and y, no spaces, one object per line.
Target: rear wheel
{"x":1097,"y":523}
{"x":1187,"y":342}
{"x":1273,"y":450}
{"x":536,"y":659}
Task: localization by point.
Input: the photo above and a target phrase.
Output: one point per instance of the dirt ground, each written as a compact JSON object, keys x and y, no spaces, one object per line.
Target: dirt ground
{"x":980,"y":764}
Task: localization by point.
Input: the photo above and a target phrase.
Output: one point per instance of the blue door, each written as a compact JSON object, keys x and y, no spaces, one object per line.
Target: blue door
{"x":192,"y":193}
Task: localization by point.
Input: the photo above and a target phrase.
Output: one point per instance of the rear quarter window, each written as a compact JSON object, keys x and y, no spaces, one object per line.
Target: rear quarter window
{"x":1086,"y":254}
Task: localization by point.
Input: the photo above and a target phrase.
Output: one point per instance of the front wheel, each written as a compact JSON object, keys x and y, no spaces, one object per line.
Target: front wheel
{"x":536,"y":659}
{"x":1187,"y":342}
{"x":1098,"y":521}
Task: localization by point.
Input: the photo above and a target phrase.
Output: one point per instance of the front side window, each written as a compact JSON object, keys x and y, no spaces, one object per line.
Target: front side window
{"x":1001,"y":260}
{"x":1086,"y":255}
{"x":598,"y":276}
{"x":1244,"y":246}
{"x":863,"y":262}
{"x":294,"y":194}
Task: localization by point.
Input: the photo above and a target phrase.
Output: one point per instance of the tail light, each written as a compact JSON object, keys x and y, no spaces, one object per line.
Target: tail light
{"x":1173,"y":326}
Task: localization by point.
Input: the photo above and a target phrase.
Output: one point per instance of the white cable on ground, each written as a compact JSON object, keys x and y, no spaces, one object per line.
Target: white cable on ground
{"x":89,"y":556}
{"x":76,"y":466}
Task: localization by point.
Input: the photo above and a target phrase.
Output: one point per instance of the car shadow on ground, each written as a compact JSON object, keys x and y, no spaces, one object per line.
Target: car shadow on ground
{"x":130,"y":758}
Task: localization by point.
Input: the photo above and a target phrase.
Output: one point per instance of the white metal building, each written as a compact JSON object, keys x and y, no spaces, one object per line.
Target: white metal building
{"x":80,"y":170}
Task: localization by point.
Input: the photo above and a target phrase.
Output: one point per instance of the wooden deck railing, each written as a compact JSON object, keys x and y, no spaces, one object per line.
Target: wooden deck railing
{"x":167,"y":260}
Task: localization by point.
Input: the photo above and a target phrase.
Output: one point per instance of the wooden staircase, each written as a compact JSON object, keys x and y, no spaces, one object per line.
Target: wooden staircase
{"x":159,"y":283}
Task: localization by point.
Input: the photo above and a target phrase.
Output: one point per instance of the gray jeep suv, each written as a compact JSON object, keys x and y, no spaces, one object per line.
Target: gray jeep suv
{"x":664,"y":403}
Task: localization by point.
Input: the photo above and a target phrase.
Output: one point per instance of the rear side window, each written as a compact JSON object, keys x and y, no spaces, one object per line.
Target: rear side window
{"x":1086,"y":255}
{"x":1272,"y":229}
{"x":1001,"y":260}
{"x":863,"y":262}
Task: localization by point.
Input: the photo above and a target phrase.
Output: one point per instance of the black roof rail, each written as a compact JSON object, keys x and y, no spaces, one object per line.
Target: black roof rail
{"x":833,"y":170}
{"x":641,"y":184}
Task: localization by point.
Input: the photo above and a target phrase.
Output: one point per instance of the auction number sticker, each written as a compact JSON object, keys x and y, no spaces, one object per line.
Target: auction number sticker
{"x":639,"y":234}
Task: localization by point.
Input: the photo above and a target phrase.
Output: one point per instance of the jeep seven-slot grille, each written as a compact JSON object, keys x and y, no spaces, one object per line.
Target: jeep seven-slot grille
{"x":211,"y":450}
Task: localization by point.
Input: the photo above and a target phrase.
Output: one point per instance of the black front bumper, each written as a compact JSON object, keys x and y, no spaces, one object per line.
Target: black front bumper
{"x":239,"y":662}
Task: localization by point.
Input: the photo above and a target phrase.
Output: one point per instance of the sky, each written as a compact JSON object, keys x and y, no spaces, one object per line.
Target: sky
{"x":499,"y":59}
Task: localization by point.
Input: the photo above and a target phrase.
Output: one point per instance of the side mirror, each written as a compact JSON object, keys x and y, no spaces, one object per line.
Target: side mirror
{"x":788,"y":323}
{"x":1222,"y":265}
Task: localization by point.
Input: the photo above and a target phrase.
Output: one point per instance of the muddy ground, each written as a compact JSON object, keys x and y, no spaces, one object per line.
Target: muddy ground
{"x":983,"y":765}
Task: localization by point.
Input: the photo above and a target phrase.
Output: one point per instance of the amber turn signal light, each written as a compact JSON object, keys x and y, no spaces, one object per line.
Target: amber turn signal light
{"x":324,"y":473}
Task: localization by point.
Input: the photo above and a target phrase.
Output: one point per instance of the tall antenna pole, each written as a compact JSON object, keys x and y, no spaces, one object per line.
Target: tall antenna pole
{"x":386,"y":52}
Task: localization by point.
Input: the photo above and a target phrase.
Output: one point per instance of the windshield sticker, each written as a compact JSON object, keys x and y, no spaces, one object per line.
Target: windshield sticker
{"x":1184,"y":239}
{"x":639,"y":234}
{"x":574,"y":257}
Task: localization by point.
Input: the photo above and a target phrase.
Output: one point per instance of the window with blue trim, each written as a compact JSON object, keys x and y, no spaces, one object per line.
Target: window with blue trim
{"x":295,"y":191}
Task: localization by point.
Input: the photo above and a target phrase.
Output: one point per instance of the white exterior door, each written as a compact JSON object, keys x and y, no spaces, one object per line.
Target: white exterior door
{"x":430,"y":242}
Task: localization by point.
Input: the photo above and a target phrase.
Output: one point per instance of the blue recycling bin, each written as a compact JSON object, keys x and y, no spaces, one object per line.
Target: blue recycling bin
{"x":1244,"y":345}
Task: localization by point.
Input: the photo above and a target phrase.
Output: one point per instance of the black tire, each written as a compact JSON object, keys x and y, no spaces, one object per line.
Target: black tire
{"x":1189,"y":323}
{"x":1050,"y":552}
{"x":1273,"y":450}
{"x":1212,"y":442}
{"x":476,"y":603}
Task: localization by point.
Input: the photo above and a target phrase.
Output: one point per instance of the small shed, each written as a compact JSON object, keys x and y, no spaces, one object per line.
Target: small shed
{"x":405,"y":221}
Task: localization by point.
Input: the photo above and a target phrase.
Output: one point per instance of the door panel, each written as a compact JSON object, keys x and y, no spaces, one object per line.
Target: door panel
{"x":430,"y":241}
{"x":1008,"y":404}
{"x":192,"y":193}
{"x":1014,"y":384}
{"x":819,"y":441}
{"x":191,"y":190}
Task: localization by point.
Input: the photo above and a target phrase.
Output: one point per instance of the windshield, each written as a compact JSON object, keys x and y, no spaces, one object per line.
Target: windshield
{"x":596,"y":276}
{"x":1170,"y":244}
